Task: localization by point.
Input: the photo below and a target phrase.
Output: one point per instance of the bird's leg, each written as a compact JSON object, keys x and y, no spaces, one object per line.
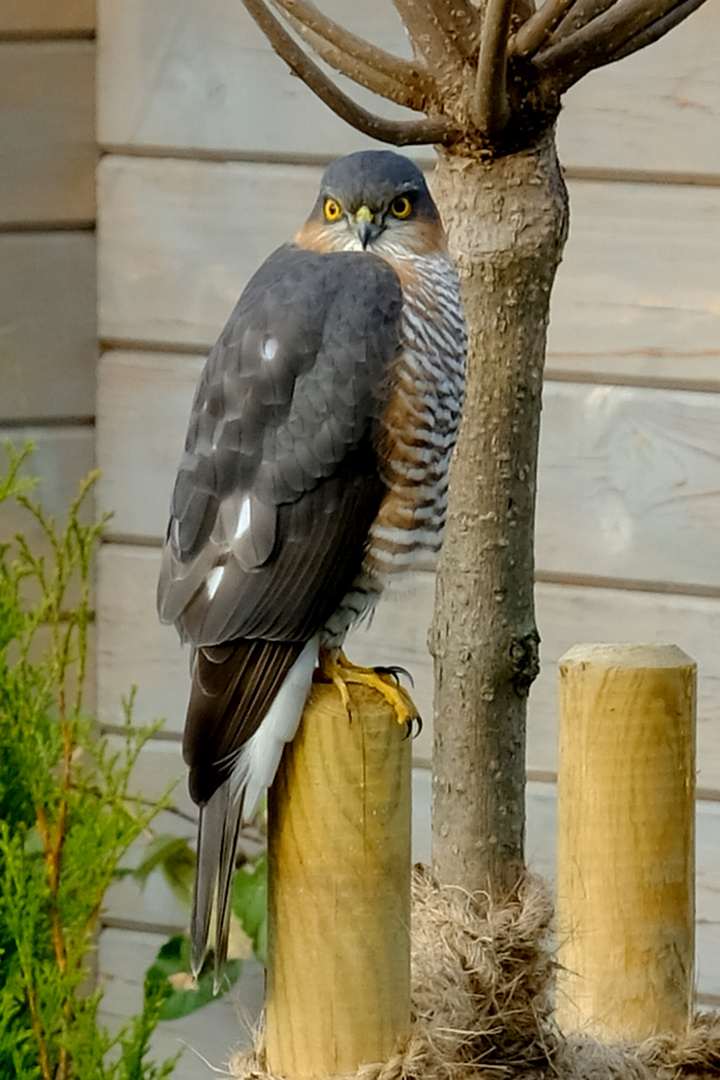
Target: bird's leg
{"x":330,"y":670}
{"x":334,"y":667}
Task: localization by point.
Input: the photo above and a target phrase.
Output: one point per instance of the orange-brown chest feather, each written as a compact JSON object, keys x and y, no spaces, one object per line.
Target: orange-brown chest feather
{"x":421,"y":418}
{"x":422,"y":414}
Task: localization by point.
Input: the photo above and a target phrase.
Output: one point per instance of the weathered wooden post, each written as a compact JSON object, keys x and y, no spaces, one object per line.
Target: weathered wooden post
{"x":626,"y":895}
{"x":338,"y":979}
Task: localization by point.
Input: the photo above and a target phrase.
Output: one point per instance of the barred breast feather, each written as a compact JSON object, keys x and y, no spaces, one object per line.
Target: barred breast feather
{"x":422,"y":419}
{"x":421,"y":423}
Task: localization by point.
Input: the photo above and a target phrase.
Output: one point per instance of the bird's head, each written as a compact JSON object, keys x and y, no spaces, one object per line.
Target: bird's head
{"x":373,"y":200}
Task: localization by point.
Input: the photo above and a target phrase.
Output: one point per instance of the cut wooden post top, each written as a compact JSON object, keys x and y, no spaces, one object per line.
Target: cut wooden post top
{"x":631,"y":655}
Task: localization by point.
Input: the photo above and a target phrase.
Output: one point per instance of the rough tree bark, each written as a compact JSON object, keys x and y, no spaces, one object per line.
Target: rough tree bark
{"x":489,"y":75}
{"x":507,"y":222}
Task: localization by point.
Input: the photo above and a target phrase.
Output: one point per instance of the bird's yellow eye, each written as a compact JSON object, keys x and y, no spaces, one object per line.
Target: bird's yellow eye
{"x":333,"y":210}
{"x":401,"y":207}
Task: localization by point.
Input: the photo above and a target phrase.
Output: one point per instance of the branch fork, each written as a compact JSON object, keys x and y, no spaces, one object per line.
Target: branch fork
{"x":558,"y":43}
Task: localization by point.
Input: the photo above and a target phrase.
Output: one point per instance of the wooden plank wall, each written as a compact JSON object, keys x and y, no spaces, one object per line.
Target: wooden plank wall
{"x":48,"y":340}
{"x":212,"y":157}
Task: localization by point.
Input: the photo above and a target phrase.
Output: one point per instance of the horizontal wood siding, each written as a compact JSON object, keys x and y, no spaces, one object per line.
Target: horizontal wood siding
{"x":181,"y":238}
{"x":47,"y":144}
{"x":213,"y":157}
{"x":135,"y":649}
{"x":627,"y":485}
{"x":63,"y":456}
{"x":656,"y":111}
{"x":175,"y":74}
{"x":48,"y":336}
{"x":43,"y":18}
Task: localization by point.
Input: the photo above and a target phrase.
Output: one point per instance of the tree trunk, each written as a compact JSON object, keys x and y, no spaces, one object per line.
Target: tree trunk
{"x":507,"y":222}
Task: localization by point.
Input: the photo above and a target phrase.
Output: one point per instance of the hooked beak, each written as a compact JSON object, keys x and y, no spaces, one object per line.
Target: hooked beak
{"x":365,"y":227}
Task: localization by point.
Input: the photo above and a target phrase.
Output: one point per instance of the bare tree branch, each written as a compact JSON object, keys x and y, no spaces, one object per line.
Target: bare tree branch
{"x":658,"y":29}
{"x":427,"y":23}
{"x":535,"y":32}
{"x":391,"y":76}
{"x":491,"y":110}
{"x":599,"y":42}
{"x":461,"y":22}
{"x":523,"y":10}
{"x":398,"y":132}
{"x":581,"y":13}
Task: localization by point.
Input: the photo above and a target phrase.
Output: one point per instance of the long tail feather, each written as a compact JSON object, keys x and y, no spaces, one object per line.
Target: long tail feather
{"x":226,"y":871}
{"x":217,"y":838}
{"x":253,"y":767}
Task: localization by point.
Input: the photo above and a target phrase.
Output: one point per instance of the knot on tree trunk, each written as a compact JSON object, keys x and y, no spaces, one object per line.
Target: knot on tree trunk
{"x":525,"y":661}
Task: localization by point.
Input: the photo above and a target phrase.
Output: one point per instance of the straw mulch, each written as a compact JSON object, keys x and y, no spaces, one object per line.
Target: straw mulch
{"x":483,"y":985}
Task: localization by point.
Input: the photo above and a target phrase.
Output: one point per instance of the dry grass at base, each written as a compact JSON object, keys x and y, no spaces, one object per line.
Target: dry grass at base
{"x":483,"y":984}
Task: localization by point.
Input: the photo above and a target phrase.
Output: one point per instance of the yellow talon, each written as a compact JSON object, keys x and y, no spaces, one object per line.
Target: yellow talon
{"x":337,"y":669}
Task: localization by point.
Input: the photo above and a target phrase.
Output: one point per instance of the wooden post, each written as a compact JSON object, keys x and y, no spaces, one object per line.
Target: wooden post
{"x":626,"y":812}
{"x":338,"y":979}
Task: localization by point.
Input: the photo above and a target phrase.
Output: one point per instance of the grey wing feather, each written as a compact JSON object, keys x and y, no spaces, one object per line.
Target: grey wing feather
{"x":291,"y":397}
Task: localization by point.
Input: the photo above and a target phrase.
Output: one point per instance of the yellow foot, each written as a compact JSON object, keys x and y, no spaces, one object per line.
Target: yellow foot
{"x":337,"y":669}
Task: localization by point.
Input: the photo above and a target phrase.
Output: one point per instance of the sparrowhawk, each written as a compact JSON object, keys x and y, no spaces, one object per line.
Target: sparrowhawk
{"x":315,"y":465}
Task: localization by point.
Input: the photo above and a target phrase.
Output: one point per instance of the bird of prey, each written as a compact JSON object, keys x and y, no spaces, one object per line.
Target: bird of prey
{"x":315,"y":466}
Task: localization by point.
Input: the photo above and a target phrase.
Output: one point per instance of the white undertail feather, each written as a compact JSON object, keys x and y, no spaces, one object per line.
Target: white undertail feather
{"x":259,"y":758}
{"x":236,"y":800}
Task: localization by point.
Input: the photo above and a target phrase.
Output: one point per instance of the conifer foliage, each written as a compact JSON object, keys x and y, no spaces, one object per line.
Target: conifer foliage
{"x":67,"y":814}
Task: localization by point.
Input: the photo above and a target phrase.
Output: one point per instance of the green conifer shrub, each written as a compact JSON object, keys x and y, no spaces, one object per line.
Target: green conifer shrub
{"x":67,"y":813}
